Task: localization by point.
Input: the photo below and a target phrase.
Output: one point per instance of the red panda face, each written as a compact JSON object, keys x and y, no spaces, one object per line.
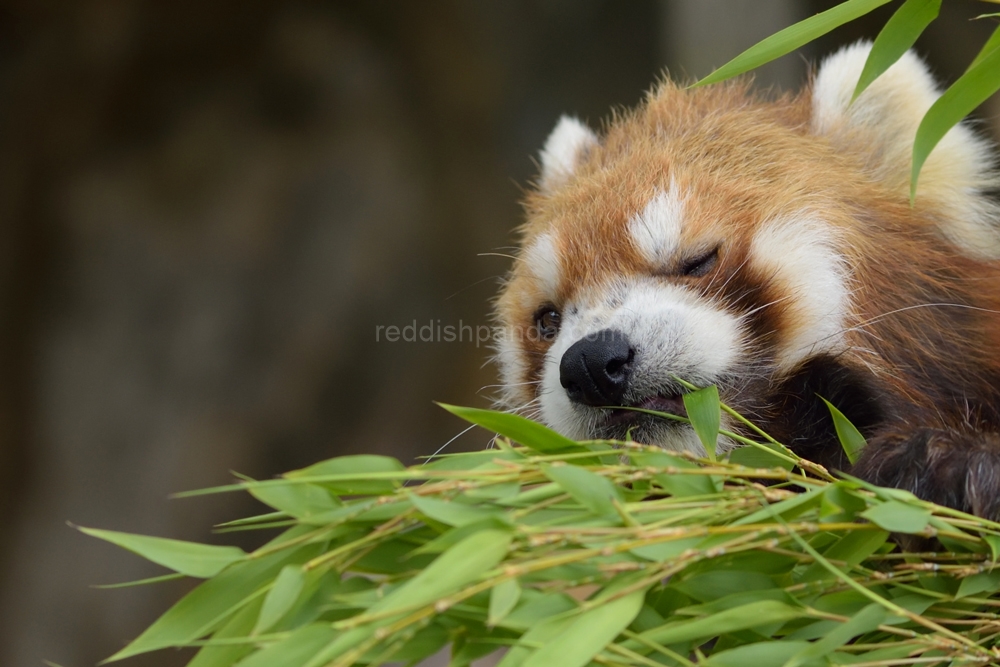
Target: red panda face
{"x":708,"y":237}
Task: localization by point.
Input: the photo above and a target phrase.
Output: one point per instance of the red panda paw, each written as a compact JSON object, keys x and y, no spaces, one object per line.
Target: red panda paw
{"x":958,"y":469}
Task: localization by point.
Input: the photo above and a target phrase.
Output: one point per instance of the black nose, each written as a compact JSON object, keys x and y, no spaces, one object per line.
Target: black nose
{"x":596,"y":370}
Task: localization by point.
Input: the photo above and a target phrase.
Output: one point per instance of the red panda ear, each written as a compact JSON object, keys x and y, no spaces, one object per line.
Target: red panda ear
{"x":879,"y":128}
{"x":565,"y":147}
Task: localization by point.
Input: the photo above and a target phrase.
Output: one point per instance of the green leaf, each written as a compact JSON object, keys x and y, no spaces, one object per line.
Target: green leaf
{"x":517,"y":428}
{"x":352,"y":474}
{"x":455,"y":568}
{"x":899,"y":34}
{"x":864,"y":621}
{"x":588,"y":633}
{"x":681,"y":485}
{"x":851,"y":549}
{"x":968,"y":92}
{"x":705,"y":413}
{"x":225,"y":655}
{"x":761,"y":654}
{"x":760,"y":457}
{"x":451,"y":513}
{"x":190,"y":558}
{"x":731,"y":620}
{"x":280,"y":598}
{"x":979,"y":583}
{"x":211,"y":603}
{"x":594,"y":492}
{"x":850,"y":437}
{"x":791,"y":38}
{"x":898,"y":517}
{"x":295,"y":650}
{"x":302,"y":501}
{"x":989,"y":47}
{"x":503,"y":599}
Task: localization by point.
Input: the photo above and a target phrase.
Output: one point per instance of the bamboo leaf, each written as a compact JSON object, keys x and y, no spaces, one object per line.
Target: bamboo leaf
{"x":898,"y":517}
{"x":301,"y":501}
{"x":899,"y":34}
{"x":989,"y":47}
{"x":517,"y":428}
{"x":357,"y":466}
{"x":503,"y":599}
{"x":588,"y":633}
{"x":968,"y":92}
{"x":225,"y":655}
{"x":452,"y":513}
{"x":791,"y":38}
{"x":866,"y":620}
{"x":761,"y":654}
{"x":731,"y":620}
{"x":979,"y":583}
{"x":280,"y":598}
{"x":294,"y":651}
{"x":211,"y":603}
{"x":594,"y":492}
{"x":458,"y":566}
{"x":705,"y":412}
{"x":850,"y":437}
{"x":190,"y":558}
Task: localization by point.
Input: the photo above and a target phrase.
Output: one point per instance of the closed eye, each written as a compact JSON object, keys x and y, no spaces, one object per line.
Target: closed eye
{"x":700,"y":265}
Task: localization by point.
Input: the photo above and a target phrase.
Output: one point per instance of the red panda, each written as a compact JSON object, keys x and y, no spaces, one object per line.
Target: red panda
{"x":769,"y":247}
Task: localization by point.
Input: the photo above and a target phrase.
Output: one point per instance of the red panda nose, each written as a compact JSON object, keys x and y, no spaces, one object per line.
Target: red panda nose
{"x":596,"y":370}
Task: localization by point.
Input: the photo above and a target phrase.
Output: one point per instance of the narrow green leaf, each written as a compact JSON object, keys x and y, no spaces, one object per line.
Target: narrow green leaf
{"x":517,"y":428}
{"x":898,"y":34}
{"x":225,"y":655}
{"x":850,"y":549}
{"x":302,"y":501}
{"x":705,"y":413}
{"x":294,"y":651}
{"x":850,"y":437}
{"x":761,"y":654}
{"x":359,"y":466}
{"x":211,"y":603}
{"x":792,"y":37}
{"x":283,"y":594}
{"x":503,"y":599}
{"x":457,"y":567}
{"x":730,"y":620}
{"x":594,"y":492}
{"x":968,"y":92}
{"x":898,"y":517}
{"x":142,"y":582}
{"x":588,"y":634}
{"x":760,"y":457}
{"x":989,"y":47}
{"x":864,"y":621}
{"x":190,"y":558}
{"x":979,"y":583}
{"x":451,"y":513}
{"x":680,"y":485}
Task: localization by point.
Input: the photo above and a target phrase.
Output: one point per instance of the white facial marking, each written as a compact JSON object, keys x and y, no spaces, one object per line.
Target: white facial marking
{"x":673,"y":331}
{"x":564,"y":148}
{"x":542,"y":259}
{"x":799,"y":253}
{"x":656,"y":231}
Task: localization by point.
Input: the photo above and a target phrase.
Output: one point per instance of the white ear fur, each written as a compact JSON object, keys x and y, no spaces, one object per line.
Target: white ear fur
{"x":565,"y":147}
{"x":881,"y":125}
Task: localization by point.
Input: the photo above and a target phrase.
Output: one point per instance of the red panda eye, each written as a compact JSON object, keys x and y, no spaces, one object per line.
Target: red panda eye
{"x":700,"y":265}
{"x":547,"y":320}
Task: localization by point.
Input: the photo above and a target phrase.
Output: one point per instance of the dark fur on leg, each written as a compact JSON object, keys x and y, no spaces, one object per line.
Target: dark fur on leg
{"x":953,"y":468}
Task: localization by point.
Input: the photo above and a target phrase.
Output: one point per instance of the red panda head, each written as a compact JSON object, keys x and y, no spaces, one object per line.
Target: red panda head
{"x":719,"y":238}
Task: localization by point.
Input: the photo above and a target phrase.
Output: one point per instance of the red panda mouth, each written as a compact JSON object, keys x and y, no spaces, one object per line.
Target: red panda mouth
{"x":670,"y":403}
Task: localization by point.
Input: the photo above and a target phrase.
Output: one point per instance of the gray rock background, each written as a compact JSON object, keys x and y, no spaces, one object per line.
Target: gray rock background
{"x":207,"y":208}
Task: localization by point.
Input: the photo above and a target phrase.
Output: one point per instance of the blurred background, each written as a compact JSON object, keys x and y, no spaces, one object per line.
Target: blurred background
{"x":207,"y":208}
